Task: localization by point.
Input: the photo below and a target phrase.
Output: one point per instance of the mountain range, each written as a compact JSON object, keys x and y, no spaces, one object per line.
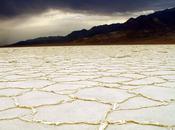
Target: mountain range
{"x":156,"y":28}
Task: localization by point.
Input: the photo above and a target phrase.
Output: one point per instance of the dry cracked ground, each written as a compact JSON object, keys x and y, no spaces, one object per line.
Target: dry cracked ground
{"x":88,"y":88}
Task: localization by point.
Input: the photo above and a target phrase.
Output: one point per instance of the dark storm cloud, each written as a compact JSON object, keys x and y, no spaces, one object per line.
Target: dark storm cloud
{"x":13,"y":8}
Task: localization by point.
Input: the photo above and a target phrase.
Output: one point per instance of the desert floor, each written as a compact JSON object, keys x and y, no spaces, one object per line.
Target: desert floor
{"x":88,"y":88}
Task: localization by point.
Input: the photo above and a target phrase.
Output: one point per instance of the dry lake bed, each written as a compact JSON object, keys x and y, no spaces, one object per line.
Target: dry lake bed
{"x":88,"y":88}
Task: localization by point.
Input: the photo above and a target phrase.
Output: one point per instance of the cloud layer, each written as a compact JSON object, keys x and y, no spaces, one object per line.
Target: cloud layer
{"x":13,"y":8}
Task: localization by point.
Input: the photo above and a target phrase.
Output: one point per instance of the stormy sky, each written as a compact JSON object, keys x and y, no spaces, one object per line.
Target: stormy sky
{"x":26,"y":19}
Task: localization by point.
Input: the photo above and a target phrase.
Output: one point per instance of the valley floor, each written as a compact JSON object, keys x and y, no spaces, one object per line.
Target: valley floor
{"x":88,"y":88}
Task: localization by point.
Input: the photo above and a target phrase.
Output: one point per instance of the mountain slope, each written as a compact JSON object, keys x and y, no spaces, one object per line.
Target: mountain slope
{"x":153,"y":28}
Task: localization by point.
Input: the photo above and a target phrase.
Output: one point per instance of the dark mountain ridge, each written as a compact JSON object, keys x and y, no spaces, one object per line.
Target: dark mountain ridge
{"x":161,"y":23}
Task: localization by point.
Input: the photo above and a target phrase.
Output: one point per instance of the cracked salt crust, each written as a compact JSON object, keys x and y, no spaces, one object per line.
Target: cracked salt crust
{"x":88,"y":88}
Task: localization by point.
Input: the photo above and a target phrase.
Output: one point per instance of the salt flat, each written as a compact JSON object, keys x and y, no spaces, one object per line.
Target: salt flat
{"x":88,"y":88}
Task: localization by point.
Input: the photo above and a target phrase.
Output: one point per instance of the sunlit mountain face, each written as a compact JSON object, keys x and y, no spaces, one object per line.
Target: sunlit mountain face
{"x":21,"y":19}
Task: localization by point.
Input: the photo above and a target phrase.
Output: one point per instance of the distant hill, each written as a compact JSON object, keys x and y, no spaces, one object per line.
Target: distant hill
{"x":155,"y":28}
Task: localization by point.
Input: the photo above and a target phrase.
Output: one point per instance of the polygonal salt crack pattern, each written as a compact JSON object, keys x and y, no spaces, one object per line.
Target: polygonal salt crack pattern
{"x":88,"y":88}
